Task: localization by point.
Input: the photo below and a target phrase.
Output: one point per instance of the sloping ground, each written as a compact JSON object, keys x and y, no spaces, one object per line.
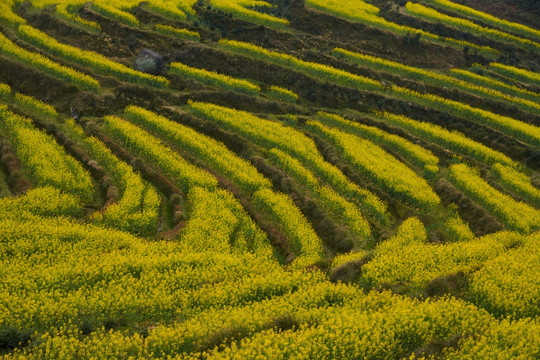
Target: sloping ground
{"x":525,"y":12}
{"x":319,"y":179}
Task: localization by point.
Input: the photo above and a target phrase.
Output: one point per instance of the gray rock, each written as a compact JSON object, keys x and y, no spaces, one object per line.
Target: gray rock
{"x":73,"y":112}
{"x":150,"y":62}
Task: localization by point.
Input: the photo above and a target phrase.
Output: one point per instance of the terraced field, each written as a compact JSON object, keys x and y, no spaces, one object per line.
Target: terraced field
{"x":279,"y":179}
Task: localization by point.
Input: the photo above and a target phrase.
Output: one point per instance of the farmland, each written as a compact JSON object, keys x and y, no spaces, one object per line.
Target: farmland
{"x":278,"y":179}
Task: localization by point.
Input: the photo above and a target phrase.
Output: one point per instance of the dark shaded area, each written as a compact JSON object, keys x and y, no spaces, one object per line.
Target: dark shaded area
{"x":16,"y":180}
{"x":350,"y":271}
{"x":453,"y":284}
{"x":334,"y":236}
{"x":12,"y":338}
{"x":480,"y":221}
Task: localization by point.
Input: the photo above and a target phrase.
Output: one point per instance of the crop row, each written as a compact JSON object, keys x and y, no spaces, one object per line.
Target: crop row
{"x":380,"y":167}
{"x":522,"y":75}
{"x":303,"y":240}
{"x":214,"y":153}
{"x":215,"y":79}
{"x":424,"y":12}
{"x":366,"y":13}
{"x":66,"y":12}
{"x":516,"y":215}
{"x":350,"y":7}
{"x":222,"y":160}
{"x":282,"y":93}
{"x":40,"y":62}
{"x":434,"y":78}
{"x":518,"y":182}
{"x":91,"y":59}
{"x":270,"y":134}
{"x":110,"y":11}
{"x":243,"y":9}
{"x":338,"y":205}
{"x":167,"y":8}
{"x":486,"y":18}
{"x":57,"y":169}
{"x":171,"y":163}
{"x":226,"y":82}
{"x":452,"y":140}
{"x":416,"y":154}
{"x":7,"y":16}
{"x":219,"y":223}
{"x":314,"y":69}
{"x":137,"y":209}
{"x":27,"y":103}
{"x":488,"y":82}
{"x":523,"y":131}
{"x":179,"y":33}
{"x":458,"y":229}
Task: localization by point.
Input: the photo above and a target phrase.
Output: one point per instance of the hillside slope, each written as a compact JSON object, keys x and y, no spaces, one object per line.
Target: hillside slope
{"x":274,"y":179}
